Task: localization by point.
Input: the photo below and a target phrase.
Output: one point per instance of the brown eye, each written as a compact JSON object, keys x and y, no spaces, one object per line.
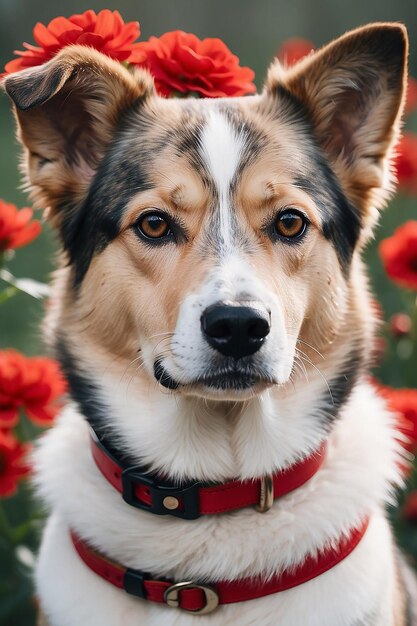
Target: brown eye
{"x":290,"y":224}
{"x":153,"y":226}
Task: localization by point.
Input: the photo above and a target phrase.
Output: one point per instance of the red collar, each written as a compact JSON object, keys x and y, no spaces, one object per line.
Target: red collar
{"x":198,"y":598}
{"x":145,"y":491}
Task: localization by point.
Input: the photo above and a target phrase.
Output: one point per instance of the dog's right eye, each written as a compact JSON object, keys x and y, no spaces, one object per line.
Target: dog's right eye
{"x":290,"y":224}
{"x":153,"y":225}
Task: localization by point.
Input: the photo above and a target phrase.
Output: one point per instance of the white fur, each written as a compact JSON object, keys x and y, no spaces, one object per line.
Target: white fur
{"x":356,"y":480}
{"x":222,"y":150}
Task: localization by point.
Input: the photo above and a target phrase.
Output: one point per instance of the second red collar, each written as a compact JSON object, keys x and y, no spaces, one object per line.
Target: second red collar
{"x":148,"y":492}
{"x":200,"y":598}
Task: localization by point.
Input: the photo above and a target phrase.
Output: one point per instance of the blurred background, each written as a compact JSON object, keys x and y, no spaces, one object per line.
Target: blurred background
{"x":254,"y":31}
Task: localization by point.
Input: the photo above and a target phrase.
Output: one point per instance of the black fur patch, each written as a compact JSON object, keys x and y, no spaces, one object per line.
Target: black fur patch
{"x":87,"y":396}
{"x":341,"y":386}
{"x":341,"y":220}
{"x":121,"y":174}
{"x":163,"y":377}
{"x":82,"y":390}
{"x":188,"y":143}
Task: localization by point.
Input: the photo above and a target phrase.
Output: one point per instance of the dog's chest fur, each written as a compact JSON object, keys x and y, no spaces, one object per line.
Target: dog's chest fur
{"x":354,"y":481}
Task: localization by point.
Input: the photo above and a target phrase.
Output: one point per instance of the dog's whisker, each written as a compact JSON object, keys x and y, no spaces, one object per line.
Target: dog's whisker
{"x":159,"y":343}
{"x":300,"y":367}
{"x":131,"y":364}
{"x":304,"y":358}
{"x":311,"y":347}
{"x":170,"y":333}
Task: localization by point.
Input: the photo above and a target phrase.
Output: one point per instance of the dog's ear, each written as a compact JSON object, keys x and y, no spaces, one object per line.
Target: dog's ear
{"x":67,"y":111}
{"x":353,"y":90}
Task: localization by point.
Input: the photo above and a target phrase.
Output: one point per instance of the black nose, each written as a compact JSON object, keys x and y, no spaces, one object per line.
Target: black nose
{"x":235,"y":330}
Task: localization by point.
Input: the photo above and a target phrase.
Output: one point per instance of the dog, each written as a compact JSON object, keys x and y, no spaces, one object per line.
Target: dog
{"x":213,"y":319}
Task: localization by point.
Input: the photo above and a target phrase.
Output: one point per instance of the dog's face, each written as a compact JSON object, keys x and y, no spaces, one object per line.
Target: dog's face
{"x":221,"y":252}
{"x":214,"y":238}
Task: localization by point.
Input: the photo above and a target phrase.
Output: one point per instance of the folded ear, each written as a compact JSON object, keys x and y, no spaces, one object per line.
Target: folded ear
{"x":353,"y":90}
{"x":67,"y":111}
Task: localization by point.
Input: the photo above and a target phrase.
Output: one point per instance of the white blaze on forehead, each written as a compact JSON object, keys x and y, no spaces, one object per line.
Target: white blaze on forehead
{"x":222,"y":149}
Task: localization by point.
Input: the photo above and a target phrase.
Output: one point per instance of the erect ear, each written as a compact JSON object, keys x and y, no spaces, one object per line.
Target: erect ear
{"x":353,"y":90}
{"x":67,"y":112}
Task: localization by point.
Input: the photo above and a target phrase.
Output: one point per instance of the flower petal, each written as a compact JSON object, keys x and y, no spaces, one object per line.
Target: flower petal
{"x":105,"y":31}
{"x":180,"y":62}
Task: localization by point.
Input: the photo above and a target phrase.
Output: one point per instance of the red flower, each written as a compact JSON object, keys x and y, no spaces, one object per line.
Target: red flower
{"x":294,"y":50}
{"x":411,"y":101}
{"x":105,"y":31}
{"x":13,"y":466}
{"x":32,"y":383}
{"x":403,"y":402}
{"x":406,"y":163}
{"x":16,"y":229}
{"x":409,"y":509}
{"x":399,"y":255}
{"x":180,"y":62}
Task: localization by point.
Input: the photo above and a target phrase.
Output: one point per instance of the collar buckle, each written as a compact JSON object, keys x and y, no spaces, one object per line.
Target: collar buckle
{"x":180,"y":502}
{"x":173,"y":599}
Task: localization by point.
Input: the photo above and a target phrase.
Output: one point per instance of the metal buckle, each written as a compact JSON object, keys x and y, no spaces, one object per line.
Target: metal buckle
{"x":172,"y":597}
{"x":266,"y":496}
{"x":166,"y":500}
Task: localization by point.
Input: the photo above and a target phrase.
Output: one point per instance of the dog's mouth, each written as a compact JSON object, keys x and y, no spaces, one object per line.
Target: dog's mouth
{"x":226,"y":378}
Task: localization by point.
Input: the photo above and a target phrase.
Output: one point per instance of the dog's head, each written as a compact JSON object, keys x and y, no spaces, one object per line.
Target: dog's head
{"x":218,"y":239}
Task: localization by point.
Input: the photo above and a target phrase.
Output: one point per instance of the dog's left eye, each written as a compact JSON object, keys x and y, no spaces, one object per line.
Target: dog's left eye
{"x":290,"y":224}
{"x":153,"y":226}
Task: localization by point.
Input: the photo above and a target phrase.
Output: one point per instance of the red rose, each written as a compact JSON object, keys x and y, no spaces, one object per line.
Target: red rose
{"x":180,"y":62}
{"x":399,"y":255}
{"x":403,"y":402}
{"x":13,"y":466}
{"x":105,"y":31}
{"x":16,"y":229}
{"x":293,"y":50}
{"x":34,"y":384}
{"x":406,"y":163}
